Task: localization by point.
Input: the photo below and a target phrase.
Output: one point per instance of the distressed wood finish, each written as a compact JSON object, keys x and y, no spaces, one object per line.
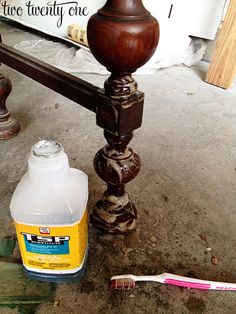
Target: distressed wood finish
{"x":9,"y":127}
{"x":122,"y":36}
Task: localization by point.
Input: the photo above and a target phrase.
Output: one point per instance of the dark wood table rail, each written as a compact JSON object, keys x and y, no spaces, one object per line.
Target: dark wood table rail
{"x":122,"y":36}
{"x":80,"y":91}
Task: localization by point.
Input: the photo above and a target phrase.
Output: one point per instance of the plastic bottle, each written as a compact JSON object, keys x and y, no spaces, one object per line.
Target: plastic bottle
{"x":50,"y":215}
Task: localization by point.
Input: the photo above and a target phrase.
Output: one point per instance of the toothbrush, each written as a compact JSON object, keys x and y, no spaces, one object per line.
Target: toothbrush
{"x":127,"y":282}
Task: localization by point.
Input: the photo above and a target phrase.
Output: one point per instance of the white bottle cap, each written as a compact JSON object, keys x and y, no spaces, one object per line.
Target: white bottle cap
{"x":47,"y":149}
{"x":48,"y":164}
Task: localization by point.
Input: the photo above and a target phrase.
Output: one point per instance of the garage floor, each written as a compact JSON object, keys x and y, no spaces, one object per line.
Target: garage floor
{"x":185,"y":192}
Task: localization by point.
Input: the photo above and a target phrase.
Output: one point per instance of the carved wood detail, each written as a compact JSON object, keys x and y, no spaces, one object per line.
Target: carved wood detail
{"x":122,"y":36}
{"x":116,"y":164}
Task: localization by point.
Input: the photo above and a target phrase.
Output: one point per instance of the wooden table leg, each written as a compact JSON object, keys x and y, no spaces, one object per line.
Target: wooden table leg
{"x":116,"y":163}
{"x":122,"y":36}
{"x":9,"y":127}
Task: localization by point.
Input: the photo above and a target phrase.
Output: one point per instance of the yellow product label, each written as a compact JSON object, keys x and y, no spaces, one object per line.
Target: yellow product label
{"x":53,"y":249}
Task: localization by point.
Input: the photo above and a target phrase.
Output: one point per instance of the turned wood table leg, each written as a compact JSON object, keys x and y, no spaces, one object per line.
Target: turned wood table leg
{"x":122,"y":36}
{"x":9,"y":127}
{"x":116,"y":164}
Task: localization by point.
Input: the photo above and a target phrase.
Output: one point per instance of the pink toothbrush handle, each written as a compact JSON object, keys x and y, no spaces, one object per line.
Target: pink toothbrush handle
{"x":197,"y":283}
{"x":187,"y":284}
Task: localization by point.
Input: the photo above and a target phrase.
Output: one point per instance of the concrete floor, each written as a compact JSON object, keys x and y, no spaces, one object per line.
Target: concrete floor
{"x":185,"y":192}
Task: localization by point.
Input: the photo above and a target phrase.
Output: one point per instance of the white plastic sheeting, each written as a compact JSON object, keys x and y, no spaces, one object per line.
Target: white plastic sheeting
{"x":74,"y":60}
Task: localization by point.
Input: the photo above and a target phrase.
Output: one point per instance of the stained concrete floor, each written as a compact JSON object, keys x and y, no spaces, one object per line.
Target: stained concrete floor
{"x":185,"y":193}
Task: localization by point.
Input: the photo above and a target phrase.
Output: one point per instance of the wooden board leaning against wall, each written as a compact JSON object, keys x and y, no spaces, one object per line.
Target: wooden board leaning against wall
{"x":222,"y":69}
